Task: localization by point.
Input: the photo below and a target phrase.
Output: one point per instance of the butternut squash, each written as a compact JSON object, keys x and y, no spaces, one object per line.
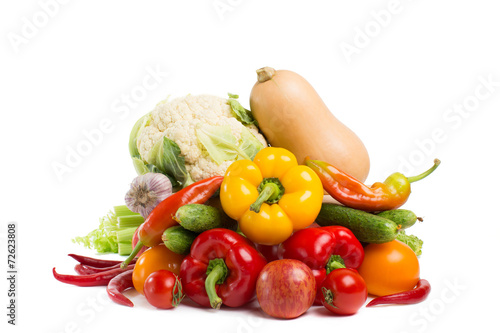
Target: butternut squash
{"x":292,"y":115}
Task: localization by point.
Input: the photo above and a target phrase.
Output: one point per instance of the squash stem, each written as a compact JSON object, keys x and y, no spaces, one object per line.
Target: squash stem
{"x":265,"y":74}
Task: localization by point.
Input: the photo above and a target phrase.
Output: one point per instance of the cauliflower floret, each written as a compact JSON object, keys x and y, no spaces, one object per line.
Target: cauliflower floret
{"x":178,"y":119}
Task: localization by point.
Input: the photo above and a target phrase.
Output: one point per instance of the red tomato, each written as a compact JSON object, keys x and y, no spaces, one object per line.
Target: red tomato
{"x":343,"y":291}
{"x":389,"y":268}
{"x":286,"y":288}
{"x":163,"y":289}
{"x":155,"y":258}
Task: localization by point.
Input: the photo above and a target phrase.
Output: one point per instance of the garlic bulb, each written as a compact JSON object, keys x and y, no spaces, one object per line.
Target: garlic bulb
{"x":147,"y":191}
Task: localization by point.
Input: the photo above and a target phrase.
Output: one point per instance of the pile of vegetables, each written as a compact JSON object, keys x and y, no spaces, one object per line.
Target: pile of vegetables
{"x":228,"y":206}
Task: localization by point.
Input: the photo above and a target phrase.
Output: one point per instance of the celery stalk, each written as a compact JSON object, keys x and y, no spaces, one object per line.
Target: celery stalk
{"x":124,"y":249}
{"x":115,"y":229}
{"x":130,"y":221}
{"x":125,"y":235}
{"x":123,"y":210}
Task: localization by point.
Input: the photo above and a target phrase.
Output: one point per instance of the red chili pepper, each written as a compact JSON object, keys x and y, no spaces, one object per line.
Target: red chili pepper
{"x":97,"y":279}
{"x":222,"y":268}
{"x":161,"y":217}
{"x":324,"y":249}
{"x":416,"y":295}
{"x":390,"y":194}
{"x":96,"y":262}
{"x":82,"y":269}
{"x":119,"y":284}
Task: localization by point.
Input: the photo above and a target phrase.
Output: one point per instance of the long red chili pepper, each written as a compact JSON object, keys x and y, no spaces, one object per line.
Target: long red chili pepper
{"x":119,"y":284}
{"x":416,"y":295}
{"x":90,"y":280}
{"x":161,"y":217}
{"x":349,"y":191}
{"x":82,"y":269}
{"x":88,"y":261}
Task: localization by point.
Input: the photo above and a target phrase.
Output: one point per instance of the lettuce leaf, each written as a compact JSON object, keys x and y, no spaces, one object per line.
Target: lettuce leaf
{"x":166,"y":157}
{"x":103,"y":239}
{"x":222,"y":145}
{"x":412,"y":241}
{"x":243,"y":115}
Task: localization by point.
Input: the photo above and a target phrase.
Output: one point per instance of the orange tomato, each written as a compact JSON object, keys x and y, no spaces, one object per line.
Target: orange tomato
{"x":389,"y":268}
{"x":155,"y":258}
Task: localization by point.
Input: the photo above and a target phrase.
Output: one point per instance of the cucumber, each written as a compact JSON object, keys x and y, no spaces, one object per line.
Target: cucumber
{"x":200,"y":217}
{"x":178,"y":240}
{"x":367,"y":227}
{"x":402,"y":217}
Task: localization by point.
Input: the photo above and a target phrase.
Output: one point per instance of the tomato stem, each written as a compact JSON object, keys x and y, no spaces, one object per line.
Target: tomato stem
{"x":177,"y":294}
{"x":328,"y":296}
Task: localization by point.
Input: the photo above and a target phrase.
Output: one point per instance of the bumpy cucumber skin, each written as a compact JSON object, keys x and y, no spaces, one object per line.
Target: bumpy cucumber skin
{"x":367,"y":227}
{"x":178,"y":240}
{"x":404,"y":218}
{"x":200,"y":217}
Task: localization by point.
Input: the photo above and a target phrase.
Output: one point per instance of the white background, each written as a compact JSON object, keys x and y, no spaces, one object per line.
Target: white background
{"x":67,"y":67}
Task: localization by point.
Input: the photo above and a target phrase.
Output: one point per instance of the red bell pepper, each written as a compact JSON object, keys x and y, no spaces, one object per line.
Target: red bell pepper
{"x":324,"y":249}
{"x":222,"y":268}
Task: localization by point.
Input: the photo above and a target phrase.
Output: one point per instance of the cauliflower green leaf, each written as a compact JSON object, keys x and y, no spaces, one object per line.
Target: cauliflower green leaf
{"x":222,"y":145}
{"x":134,"y":133}
{"x":243,"y":115}
{"x":166,"y":157}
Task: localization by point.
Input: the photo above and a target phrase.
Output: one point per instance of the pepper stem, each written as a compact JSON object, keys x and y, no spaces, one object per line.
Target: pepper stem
{"x":426,"y":173}
{"x":334,"y":262}
{"x":270,"y":191}
{"x":216,"y":274}
{"x":132,"y":255}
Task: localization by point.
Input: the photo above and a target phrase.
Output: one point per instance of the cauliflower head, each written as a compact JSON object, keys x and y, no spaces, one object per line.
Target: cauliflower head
{"x":179,"y":120}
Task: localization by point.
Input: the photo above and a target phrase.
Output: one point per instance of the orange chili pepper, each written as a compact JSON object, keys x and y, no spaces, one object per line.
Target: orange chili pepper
{"x":349,"y":191}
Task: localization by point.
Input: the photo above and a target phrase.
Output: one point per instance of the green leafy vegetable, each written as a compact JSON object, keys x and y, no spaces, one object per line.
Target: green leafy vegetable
{"x":222,"y":145}
{"x":412,"y":241}
{"x":115,"y":232}
{"x":166,"y":157}
{"x":142,"y":168}
{"x":102,"y":239}
{"x":243,"y":115}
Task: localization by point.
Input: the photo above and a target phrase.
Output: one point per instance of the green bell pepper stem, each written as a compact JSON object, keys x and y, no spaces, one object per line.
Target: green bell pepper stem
{"x":216,"y":274}
{"x":270,"y":191}
{"x":334,"y":262}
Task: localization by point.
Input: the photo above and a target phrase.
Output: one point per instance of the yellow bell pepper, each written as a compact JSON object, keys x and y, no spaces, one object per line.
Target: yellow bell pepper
{"x":271,"y":196}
